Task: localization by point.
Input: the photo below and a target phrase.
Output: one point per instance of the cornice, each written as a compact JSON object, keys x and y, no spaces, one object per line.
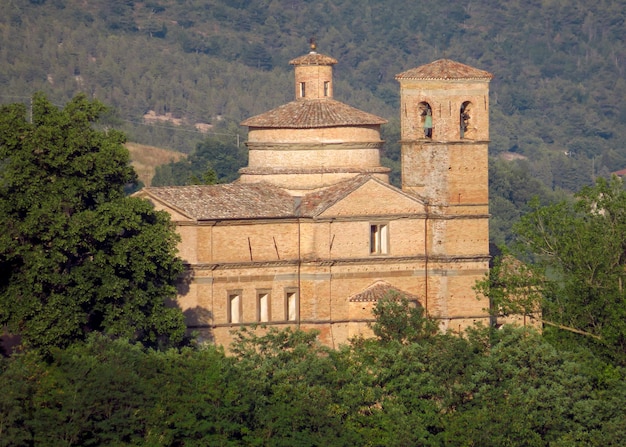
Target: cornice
{"x":304,"y":146}
{"x":373,"y":260}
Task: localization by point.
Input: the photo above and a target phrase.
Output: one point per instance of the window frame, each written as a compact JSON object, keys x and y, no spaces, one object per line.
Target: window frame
{"x":296,"y":310}
{"x":259,"y":311}
{"x":379,"y":238}
{"x":230,"y":296}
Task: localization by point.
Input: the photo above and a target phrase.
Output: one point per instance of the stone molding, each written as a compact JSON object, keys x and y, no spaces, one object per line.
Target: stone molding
{"x":320,"y":170}
{"x":354,"y":145}
{"x":374,"y":260}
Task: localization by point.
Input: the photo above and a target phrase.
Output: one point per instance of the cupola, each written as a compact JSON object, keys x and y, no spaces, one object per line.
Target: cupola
{"x":313,"y":141}
{"x":314,"y":75}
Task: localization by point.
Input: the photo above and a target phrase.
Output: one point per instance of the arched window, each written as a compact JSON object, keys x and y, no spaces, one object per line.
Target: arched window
{"x":465,"y":120}
{"x":425,"y":113}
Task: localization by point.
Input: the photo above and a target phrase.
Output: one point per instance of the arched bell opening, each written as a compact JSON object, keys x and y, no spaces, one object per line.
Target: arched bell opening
{"x":425,"y":112}
{"x":466,"y":125}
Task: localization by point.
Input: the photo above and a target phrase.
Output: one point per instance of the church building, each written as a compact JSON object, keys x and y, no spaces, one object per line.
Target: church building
{"x":312,"y":233}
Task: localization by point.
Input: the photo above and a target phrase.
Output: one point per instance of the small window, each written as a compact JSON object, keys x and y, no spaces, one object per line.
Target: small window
{"x":234,"y":308}
{"x":291,"y":306}
{"x":379,"y":239}
{"x":326,"y":88}
{"x":302,"y":90}
{"x":263,"y":307}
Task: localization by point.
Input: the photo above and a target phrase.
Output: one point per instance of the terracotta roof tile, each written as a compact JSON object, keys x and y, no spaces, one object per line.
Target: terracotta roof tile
{"x":228,"y":201}
{"x":313,"y":113}
{"x":252,"y":200}
{"x":379,"y":290}
{"x":445,"y":69}
{"x":313,"y":58}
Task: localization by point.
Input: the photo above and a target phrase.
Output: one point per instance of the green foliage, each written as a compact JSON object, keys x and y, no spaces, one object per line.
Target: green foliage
{"x":514,"y":287}
{"x":215,"y":160}
{"x":401,"y":321}
{"x":555,"y":97}
{"x":559,"y":76}
{"x":77,"y":255}
{"x":192,"y":400}
{"x":209,"y":177}
{"x":512,"y":187}
{"x":287,"y":385}
{"x":492,"y":388}
{"x":580,"y":245}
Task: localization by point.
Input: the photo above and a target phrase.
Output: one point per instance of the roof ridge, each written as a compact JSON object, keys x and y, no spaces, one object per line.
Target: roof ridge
{"x":313,"y":113}
{"x":313,"y":58}
{"x":445,"y":69}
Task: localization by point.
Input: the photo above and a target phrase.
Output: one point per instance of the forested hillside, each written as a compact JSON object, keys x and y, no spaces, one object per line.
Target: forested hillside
{"x":557,"y":95}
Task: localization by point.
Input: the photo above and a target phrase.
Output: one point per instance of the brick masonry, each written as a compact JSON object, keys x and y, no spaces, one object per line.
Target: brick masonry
{"x":316,"y":241}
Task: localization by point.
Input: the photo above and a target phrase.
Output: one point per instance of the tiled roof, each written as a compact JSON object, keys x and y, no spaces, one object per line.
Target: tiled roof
{"x":445,"y":69}
{"x":313,"y":113}
{"x":378,"y":290}
{"x":313,"y":59}
{"x":251,"y":200}
{"x":620,"y":173}
{"x":228,"y":201}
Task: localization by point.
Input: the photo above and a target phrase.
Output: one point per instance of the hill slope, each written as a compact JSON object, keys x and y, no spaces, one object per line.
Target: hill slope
{"x":557,"y":96}
{"x":145,"y":159}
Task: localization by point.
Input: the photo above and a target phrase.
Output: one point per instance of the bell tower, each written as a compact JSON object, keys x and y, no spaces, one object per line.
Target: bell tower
{"x":444,"y":139}
{"x":444,"y":135}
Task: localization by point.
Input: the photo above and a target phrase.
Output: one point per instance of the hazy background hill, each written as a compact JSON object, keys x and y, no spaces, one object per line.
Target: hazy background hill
{"x":558,"y":96}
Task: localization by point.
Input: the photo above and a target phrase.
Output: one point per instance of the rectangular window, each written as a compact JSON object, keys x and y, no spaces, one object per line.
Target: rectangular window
{"x":326,"y":88}
{"x":291,"y":306}
{"x":302,"y":90}
{"x":234,"y":307}
{"x":379,"y":239}
{"x":263,"y":306}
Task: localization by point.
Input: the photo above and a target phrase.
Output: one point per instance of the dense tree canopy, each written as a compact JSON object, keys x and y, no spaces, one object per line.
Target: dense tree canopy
{"x":76,"y":254}
{"x":581,"y":244}
{"x":282,"y":388}
{"x":215,"y":160}
{"x":576,"y":268}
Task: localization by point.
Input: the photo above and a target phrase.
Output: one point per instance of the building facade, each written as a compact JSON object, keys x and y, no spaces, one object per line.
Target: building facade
{"x":312,"y":234}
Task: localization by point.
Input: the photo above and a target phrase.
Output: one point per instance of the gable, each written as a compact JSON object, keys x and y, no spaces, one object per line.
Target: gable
{"x":381,"y":289}
{"x":176,"y":215}
{"x":374,"y":198}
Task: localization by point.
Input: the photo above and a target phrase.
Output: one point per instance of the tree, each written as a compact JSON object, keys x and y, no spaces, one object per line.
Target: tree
{"x":215,"y":160}
{"x":581,"y":246}
{"x":76,"y":254}
{"x":209,"y":177}
{"x":513,"y":287}
{"x":397,"y":320}
{"x":287,"y":386}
